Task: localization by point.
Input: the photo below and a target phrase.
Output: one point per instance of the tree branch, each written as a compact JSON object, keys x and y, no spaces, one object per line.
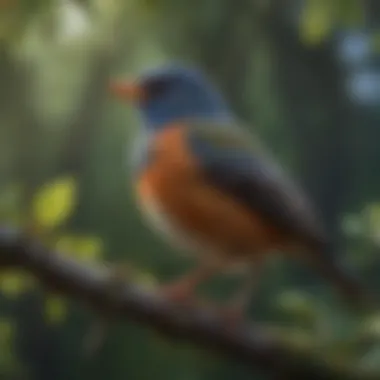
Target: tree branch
{"x":250,"y":344}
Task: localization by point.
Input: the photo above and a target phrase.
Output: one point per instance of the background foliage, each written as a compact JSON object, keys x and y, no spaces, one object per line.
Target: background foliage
{"x":304,"y":73}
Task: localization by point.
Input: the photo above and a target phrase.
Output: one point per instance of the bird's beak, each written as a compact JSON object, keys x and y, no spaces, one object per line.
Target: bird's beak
{"x":129,"y":91}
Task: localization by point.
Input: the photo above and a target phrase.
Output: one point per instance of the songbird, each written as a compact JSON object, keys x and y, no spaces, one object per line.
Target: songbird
{"x":213,"y":189}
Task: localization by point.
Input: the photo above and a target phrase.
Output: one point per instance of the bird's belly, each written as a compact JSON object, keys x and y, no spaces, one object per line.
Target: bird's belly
{"x":190,"y":242}
{"x":160,"y":220}
{"x":196,"y":217}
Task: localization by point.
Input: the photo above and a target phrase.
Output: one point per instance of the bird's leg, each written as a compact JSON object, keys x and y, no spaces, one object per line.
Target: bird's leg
{"x":236,"y":307}
{"x":183,"y":289}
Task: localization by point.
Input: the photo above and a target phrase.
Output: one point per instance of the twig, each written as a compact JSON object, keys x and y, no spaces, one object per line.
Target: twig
{"x":250,"y":344}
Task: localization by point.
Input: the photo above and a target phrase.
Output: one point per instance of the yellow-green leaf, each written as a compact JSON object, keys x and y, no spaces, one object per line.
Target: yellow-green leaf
{"x":55,"y":202}
{"x":55,"y":309}
{"x":87,"y":248}
{"x":13,"y":284}
{"x":316,"y":22}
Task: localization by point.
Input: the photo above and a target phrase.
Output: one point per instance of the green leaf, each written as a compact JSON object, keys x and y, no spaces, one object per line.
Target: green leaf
{"x":86,"y":248}
{"x":89,"y":248}
{"x":350,"y":13}
{"x":55,"y":309}
{"x":14,"y":283}
{"x":54,"y":203}
{"x":317,"y":21}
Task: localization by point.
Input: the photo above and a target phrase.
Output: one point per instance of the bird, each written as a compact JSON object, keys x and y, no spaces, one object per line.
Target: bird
{"x":211,"y":187}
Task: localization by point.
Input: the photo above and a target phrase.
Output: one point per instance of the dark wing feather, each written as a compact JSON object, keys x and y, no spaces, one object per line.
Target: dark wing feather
{"x":238,"y":165}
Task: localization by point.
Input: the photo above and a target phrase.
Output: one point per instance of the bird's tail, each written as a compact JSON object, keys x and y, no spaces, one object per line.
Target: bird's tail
{"x":346,"y":283}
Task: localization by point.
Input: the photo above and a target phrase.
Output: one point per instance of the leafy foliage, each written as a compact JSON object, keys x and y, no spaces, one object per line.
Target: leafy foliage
{"x":319,"y":18}
{"x":54,"y":203}
{"x":15,"y":283}
{"x":55,"y":309}
{"x":86,"y":248}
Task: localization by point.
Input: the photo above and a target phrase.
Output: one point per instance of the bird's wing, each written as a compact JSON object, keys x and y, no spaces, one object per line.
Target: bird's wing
{"x":235,"y":163}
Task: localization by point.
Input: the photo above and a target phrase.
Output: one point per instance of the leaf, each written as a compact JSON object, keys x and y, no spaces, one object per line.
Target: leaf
{"x":89,"y":248}
{"x":13,"y":284}
{"x":55,"y":309}
{"x":351,"y":13}
{"x":86,"y":248}
{"x":317,"y":20}
{"x":55,"y":202}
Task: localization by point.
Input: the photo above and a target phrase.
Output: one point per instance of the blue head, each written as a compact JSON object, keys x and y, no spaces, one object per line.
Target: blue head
{"x":174,"y":93}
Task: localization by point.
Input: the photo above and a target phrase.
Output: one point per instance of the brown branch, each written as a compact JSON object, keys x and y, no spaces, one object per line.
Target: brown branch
{"x":250,"y":344}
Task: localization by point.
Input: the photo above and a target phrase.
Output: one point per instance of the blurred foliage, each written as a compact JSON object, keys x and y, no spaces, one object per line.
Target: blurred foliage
{"x":14,"y":283}
{"x":54,"y":203}
{"x":55,"y":309}
{"x":297,"y":70}
{"x":319,"y":18}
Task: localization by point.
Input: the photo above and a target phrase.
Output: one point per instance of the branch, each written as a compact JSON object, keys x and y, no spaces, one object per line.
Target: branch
{"x":250,"y":344}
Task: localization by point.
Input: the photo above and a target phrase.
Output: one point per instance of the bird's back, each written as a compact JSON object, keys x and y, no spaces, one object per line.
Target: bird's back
{"x":218,"y":189}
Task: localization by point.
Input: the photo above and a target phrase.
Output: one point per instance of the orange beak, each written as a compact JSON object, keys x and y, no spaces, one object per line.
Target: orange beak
{"x":129,"y":91}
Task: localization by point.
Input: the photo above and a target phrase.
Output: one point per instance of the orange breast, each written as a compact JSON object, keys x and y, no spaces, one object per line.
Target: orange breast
{"x":199,"y":210}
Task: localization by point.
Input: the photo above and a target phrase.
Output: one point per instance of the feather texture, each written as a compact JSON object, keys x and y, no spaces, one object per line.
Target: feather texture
{"x":238,"y":165}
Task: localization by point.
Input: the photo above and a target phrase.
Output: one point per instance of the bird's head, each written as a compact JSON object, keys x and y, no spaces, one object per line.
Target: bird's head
{"x":172,"y":93}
